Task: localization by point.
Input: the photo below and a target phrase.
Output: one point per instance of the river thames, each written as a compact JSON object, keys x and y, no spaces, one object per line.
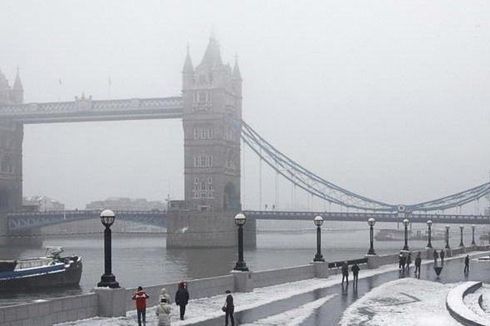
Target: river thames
{"x":145,"y":260}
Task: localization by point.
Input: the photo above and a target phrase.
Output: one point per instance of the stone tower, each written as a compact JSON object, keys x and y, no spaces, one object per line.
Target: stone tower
{"x":11,"y":137}
{"x":212,"y":96}
{"x":212,"y":124}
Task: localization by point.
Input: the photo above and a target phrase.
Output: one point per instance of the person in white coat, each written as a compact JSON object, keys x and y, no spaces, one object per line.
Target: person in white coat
{"x":164,"y":295}
{"x":163,"y":312}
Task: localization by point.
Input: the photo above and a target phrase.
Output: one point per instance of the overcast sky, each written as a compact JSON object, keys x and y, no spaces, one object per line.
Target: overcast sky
{"x":386,"y":98}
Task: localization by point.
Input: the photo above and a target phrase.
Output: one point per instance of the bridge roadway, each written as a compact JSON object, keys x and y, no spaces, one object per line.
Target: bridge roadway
{"x":86,"y":109}
{"x":18,"y":222}
{"x":364,"y":216}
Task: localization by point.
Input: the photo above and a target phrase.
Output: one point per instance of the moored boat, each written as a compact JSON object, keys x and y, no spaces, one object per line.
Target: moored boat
{"x":43,"y":272}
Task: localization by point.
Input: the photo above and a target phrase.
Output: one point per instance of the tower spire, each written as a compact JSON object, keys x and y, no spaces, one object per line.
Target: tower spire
{"x":18,"y":83}
{"x":212,"y":56}
{"x":236,"y":69}
{"x":188,"y":67}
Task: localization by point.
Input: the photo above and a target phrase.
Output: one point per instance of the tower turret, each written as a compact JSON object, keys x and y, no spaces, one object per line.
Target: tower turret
{"x":17,"y":93}
{"x":4,"y":89}
{"x":237,"y":78}
{"x":187,"y":72}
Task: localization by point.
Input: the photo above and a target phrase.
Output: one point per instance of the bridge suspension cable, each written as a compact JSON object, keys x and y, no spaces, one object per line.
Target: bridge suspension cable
{"x":332,"y":193}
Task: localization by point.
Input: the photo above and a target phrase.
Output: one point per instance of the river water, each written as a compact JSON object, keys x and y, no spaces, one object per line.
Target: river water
{"x":144,"y":260}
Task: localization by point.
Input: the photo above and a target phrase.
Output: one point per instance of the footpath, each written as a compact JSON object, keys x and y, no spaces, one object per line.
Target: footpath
{"x":291,"y":303}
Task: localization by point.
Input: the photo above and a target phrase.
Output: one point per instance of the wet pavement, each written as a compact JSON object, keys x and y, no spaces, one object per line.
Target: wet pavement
{"x":331,"y":312}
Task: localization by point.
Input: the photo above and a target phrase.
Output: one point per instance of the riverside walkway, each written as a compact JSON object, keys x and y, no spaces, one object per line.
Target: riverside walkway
{"x":306,"y":302}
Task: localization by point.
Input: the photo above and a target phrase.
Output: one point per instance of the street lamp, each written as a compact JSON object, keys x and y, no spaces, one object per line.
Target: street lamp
{"x":461,"y":244}
{"x":473,"y":243}
{"x":405,"y":223}
{"x":318,"y":220}
{"x":447,"y":237}
{"x":240,"y":220}
{"x":429,"y":234}
{"x":371,"y":222}
{"x":107,"y":218}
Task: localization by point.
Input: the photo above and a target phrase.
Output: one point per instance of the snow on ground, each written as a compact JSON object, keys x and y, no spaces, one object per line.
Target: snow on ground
{"x":292,"y":317}
{"x":402,"y":302}
{"x":206,"y":308}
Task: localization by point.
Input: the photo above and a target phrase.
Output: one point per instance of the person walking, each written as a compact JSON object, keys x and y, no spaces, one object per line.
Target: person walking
{"x":418,"y":262}
{"x":163,"y":312}
{"x":345,"y":272}
{"x":401,"y":263}
{"x":229,"y":308}
{"x":140,"y":298}
{"x":436,"y":255}
{"x":442,"y":254}
{"x":355,"y":272}
{"x":181,"y":298}
{"x":467,"y":264}
{"x":409,"y":261}
{"x":164,"y":295}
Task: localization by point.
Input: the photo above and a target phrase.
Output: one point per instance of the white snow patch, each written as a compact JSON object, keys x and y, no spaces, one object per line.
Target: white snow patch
{"x":292,"y":317}
{"x":206,"y":308}
{"x":401,"y":302}
{"x":456,"y":303}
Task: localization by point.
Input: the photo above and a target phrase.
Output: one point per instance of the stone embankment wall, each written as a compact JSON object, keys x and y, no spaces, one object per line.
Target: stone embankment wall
{"x":107,"y":302}
{"x":49,"y":312}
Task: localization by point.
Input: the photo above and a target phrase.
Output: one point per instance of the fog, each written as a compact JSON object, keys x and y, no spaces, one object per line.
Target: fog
{"x":386,"y":98}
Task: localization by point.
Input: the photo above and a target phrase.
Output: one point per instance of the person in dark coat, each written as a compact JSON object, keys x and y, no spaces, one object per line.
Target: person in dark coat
{"x":442,"y":254}
{"x":345,"y":272}
{"x":409,"y":261}
{"x":355,"y":272}
{"x":401,"y":262}
{"x":436,"y":255}
{"x":229,"y":308}
{"x":140,"y":298}
{"x":467,"y":264}
{"x":418,"y":262}
{"x":182,"y":298}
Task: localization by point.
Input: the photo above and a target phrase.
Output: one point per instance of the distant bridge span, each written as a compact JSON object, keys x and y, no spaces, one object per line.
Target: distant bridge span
{"x":19,"y":222}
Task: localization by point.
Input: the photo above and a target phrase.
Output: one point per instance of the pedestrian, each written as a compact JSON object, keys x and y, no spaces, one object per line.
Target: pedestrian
{"x":164,"y":295}
{"x":409,"y":261}
{"x":355,"y":272}
{"x":442,"y":254}
{"x":229,"y":308}
{"x":163,"y":312}
{"x":140,"y":298}
{"x":418,"y":262}
{"x":436,"y":255}
{"x":401,"y":263}
{"x":345,"y":272}
{"x":467,"y":264}
{"x":181,"y":298}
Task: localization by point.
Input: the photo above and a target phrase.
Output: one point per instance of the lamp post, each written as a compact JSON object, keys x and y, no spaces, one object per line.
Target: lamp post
{"x":429,"y":234}
{"x":447,"y":237}
{"x":405,"y":223}
{"x":107,"y":218}
{"x":371,"y":222}
{"x":318,"y":220}
{"x":240,"y":220}
{"x":473,"y":243}
{"x":461,"y":244}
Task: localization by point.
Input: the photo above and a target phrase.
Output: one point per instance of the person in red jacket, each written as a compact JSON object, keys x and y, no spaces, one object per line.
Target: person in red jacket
{"x":140,"y":297}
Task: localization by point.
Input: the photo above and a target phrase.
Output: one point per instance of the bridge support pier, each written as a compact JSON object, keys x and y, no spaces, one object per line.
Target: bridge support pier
{"x":207,"y":229}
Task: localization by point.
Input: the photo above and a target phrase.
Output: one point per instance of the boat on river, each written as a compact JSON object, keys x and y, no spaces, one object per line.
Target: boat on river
{"x":53,"y":270}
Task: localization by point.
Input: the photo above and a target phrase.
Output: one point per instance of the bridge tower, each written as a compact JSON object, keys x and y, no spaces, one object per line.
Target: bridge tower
{"x":11,"y":137}
{"x":212,"y":97}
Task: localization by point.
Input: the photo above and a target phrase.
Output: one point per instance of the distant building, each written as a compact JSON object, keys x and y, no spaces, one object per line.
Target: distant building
{"x":127,"y":204}
{"x":41,"y":204}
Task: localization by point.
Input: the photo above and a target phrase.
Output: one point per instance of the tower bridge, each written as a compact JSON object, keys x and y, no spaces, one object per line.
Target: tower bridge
{"x":211,"y":112}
